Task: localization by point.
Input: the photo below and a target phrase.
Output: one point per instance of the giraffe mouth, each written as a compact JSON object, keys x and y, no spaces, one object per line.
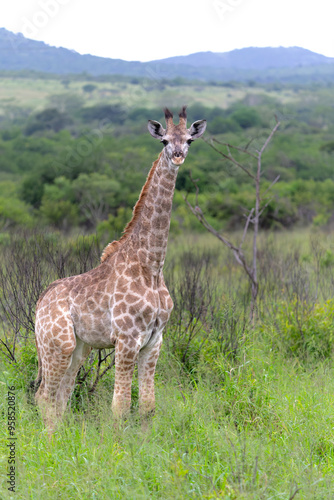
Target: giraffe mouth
{"x":177,"y":160}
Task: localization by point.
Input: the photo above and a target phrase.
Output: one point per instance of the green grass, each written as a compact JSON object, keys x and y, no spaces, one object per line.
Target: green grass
{"x":257,"y":426}
{"x":258,"y":429}
{"x":34,"y":93}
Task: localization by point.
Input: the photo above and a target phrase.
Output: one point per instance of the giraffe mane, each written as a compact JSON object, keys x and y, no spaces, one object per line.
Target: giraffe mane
{"x":115,"y":245}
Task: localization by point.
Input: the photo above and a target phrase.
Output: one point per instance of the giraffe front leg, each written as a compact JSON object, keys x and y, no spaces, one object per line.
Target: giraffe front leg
{"x":126,"y":354}
{"x":147,"y":362}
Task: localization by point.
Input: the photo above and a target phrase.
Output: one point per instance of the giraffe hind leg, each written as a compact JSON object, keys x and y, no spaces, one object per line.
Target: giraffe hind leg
{"x":65,"y":390}
{"x":56,"y":349}
{"x":147,"y":362}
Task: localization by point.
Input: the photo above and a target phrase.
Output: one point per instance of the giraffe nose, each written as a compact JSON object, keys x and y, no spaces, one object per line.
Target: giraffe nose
{"x":178,"y":153}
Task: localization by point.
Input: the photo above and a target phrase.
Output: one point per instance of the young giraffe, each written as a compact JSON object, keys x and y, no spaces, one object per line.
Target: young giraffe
{"x":124,"y":301}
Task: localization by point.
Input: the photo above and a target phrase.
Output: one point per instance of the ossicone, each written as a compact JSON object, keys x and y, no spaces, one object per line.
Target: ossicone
{"x":183,"y":112}
{"x":168,"y":114}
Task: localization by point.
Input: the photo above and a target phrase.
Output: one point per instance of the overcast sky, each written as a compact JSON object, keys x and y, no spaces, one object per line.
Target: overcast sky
{"x":143,"y":30}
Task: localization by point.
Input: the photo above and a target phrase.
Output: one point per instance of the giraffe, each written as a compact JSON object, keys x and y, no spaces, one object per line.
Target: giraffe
{"x":123,"y":302}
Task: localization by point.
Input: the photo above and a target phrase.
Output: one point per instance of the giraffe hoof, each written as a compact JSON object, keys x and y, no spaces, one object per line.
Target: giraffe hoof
{"x":147,"y":415}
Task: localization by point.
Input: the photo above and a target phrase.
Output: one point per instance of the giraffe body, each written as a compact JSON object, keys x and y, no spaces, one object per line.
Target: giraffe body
{"x":122,"y":303}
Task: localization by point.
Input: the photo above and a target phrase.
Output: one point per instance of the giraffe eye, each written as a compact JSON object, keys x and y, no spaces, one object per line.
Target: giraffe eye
{"x":164,"y":142}
{"x":189,"y":141}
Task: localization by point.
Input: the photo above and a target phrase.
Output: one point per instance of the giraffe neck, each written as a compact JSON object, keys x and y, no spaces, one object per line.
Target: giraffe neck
{"x":151,"y":229}
{"x":147,"y":232}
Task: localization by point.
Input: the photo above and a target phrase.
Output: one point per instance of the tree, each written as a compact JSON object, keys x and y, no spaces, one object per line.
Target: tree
{"x":253,"y":216}
{"x":58,"y":206}
{"x":96,"y":194}
{"x":89,"y":88}
{"x":115,"y":113}
{"x":246,"y":117}
{"x":49,"y":119}
{"x":13,"y":212}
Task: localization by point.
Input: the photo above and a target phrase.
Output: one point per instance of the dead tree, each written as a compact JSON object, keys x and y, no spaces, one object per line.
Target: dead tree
{"x":253,"y":216}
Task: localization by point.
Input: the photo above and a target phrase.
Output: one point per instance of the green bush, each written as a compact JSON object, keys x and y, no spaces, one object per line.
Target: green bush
{"x":49,"y":119}
{"x":304,"y":330}
{"x":13,"y":211}
{"x":24,"y":370}
{"x":115,"y":113}
{"x":114,"y":226}
{"x":328,"y":259}
{"x":221,"y":125}
{"x":246,"y":117}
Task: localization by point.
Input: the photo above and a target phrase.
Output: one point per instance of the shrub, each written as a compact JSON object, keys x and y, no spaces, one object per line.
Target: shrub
{"x":62,"y":214}
{"x":304,"y":330}
{"x":49,"y":119}
{"x":29,"y":263}
{"x":89,"y":88}
{"x":221,"y":125}
{"x":115,"y":113}
{"x":246,"y":117}
{"x":193,"y":292}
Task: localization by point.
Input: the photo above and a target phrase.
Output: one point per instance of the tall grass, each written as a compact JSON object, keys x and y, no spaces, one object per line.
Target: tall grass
{"x":253,"y":422}
{"x":258,"y":429}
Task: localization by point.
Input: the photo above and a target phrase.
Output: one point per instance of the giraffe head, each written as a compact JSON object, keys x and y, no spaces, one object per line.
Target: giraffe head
{"x":176,"y":138}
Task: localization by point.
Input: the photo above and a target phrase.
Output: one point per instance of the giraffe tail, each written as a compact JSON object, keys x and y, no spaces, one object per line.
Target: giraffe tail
{"x":38,"y":380}
{"x":33,"y":385}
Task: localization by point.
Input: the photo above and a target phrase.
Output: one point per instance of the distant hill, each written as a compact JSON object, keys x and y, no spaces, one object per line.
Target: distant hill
{"x":260,"y":64}
{"x":253,"y":58}
{"x":18,"y":53}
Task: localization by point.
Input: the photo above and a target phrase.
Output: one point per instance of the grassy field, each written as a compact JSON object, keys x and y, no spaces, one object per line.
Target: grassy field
{"x":244,"y":411}
{"x":260,"y":429}
{"x":35,"y":93}
{"x":255,"y":423}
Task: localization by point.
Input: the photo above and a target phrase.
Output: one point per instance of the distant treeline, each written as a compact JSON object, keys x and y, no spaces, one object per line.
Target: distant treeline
{"x":277,"y":84}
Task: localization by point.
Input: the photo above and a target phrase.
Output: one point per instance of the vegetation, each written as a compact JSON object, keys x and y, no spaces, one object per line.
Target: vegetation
{"x":252,"y":217}
{"x":244,"y":409}
{"x":61,"y":145}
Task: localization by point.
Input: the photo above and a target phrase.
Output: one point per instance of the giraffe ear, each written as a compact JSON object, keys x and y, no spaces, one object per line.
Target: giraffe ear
{"x":155,"y":129}
{"x":197,"y":129}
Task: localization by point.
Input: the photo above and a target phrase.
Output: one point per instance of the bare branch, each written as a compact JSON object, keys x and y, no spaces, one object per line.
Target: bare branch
{"x":98,"y":375}
{"x":248,"y":220}
{"x":270,"y":135}
{"x":292,"y":496}
{"x":233,"y":160}
{"x":238,"y":254}
{"x":271,"y":185}
{"x":237,"y":148}
{"x":265,"y":206}
{"x":254,"y":214}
